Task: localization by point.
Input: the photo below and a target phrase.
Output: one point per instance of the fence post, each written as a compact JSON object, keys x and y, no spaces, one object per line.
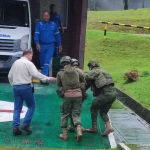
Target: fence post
{"x":105,"y":30}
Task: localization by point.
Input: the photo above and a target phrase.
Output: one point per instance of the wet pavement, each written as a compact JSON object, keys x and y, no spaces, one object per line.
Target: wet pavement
{"x":130,"y":129}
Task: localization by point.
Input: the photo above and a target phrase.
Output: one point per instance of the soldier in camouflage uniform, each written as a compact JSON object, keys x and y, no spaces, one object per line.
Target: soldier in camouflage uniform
{"x":74,"y":63}
{"x":103,"y":89}
{"x":69,"y":89}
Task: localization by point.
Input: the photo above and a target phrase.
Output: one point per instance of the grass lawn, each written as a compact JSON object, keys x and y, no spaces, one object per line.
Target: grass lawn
{"x":119,"y":53}
{"x":136,"y":17}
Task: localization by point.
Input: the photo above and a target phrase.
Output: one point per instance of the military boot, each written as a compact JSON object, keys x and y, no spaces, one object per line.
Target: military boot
{"x":71,"y":128}
{"x":93,"y":129}
{"x":108,"y":129}
{"x":83,"y":130}
{"x":64,"y":134}
{"x":79,"y":133}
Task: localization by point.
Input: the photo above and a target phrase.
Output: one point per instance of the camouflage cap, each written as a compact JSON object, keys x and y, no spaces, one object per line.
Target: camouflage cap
{"x":65,"y":59}
{"x":93,"y":63}
{"x":75,"y":62}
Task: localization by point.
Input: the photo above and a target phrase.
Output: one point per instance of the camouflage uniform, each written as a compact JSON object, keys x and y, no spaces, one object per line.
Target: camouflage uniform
{"x":72,"y":101}
{"x":103,"y":89}
{"x":73,"y":106}
{"x":75,"y":63}
{"x":70,"y":104}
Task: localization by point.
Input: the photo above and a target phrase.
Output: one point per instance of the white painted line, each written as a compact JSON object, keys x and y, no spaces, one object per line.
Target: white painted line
{"x":112,"y":138}
{"x":7,"y":116}
{"x":123,"y":146}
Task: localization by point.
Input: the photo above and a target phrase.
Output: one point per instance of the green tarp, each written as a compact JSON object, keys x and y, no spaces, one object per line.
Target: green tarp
{"x":46,"y":123}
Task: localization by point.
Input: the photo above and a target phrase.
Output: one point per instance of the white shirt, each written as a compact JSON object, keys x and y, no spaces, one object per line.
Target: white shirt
{"x":22,"y":72}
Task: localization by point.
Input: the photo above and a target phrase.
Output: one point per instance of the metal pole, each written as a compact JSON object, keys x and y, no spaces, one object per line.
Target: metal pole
{"x":105,"y":30}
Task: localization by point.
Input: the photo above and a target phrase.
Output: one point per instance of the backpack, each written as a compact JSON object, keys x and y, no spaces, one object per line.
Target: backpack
{"x":70,"y":78}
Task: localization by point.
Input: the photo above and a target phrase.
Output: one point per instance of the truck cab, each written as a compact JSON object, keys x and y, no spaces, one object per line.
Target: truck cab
{"x":15,"y":31}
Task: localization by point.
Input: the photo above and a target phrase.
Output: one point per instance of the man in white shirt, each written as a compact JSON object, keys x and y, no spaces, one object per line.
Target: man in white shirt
{"x":20,"y":77}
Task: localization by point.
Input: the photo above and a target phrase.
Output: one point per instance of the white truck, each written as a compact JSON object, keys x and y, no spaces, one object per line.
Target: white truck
{"x":15,"y":31}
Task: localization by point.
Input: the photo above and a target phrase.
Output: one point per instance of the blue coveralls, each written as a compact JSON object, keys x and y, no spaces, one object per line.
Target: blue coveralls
{"x":56,"y":18}
{"x":46,"y":35}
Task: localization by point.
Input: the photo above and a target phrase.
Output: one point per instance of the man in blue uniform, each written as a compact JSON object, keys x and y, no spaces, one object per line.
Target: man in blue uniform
{"x":55,"y":17}
{"x":45,"y":37}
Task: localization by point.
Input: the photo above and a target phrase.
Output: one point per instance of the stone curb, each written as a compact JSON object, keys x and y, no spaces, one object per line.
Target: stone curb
{"x":135,"y":106}
{"x":123,"y":146}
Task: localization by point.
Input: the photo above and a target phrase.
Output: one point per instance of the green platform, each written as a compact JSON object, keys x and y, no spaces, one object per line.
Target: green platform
{"x":46,"y":123}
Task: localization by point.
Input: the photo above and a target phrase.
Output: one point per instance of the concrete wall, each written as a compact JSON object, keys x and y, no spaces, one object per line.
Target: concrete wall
{"x":39,"y":6}
{"x":61,"y":8}
{"x":119,"y":5}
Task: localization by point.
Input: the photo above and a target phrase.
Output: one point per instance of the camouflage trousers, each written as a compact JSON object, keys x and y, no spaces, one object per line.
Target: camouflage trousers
{"x":71,"y":107}
{"x":102,"y":103}
{"x":71,"y":119}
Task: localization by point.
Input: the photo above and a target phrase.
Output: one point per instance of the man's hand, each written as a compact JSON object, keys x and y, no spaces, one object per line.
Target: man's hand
{"x":38,"y":47}
{"x":60,"y":49}
{"x":52,"y":79}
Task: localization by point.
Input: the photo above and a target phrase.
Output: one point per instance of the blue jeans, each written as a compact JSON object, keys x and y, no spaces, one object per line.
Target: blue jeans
{"x":23,"y":93}
{"x":46,"y":54}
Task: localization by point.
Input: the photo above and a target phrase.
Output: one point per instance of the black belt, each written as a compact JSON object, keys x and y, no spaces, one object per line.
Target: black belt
{"x":46,"y":43}
{"x":23,"y":84}
{"x":26,"y":84}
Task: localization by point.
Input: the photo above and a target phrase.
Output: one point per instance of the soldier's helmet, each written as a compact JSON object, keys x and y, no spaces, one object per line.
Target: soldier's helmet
{"x":75,"y":62}
{"x":93,"y":63}
{"x":65,"y":59}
